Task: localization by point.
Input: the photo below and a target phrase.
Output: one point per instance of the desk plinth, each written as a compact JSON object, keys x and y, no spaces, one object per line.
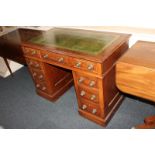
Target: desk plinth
{"x":93,"y":75}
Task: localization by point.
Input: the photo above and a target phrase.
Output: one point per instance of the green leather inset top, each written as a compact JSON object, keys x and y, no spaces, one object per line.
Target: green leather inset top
{"x":89,"y":42}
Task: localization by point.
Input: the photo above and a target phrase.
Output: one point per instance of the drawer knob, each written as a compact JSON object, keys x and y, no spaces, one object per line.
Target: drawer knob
{"x":33,"y":52}
{"x":94,"y":111}
{"x":44,"y":88}
{"x":34,"y":74}
{"x":45,"y":56}
{"x":78,"y":64}
{"x":38,"y":85}
{"x":92,"y":83}
{"x":37,"y":65}
{"x":82,"y":93}
{"x":41,"y":76}
{"x":90,"y":66}
{"x":81,"y":79}
{"x":84,"y":107}
{"x":93,"y":97}
{"x":61,"y":60}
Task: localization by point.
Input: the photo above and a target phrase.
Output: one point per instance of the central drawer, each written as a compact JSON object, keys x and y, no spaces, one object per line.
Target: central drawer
{"x":58,"y":58}
{"x":71,"y":62}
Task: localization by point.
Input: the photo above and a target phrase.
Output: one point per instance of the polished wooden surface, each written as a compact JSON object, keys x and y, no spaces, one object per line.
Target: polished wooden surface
{"x":136,"y":71}
{"x":135,"y":74}
{"x":149,"y":123}
{"x":10,"y":44}
{"x":93,"y":75}
{"x":101,"y":57}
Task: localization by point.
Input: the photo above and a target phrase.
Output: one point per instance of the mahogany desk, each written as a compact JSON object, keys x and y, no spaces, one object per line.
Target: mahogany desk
{"x":135,"y":74}
{"x":89,"y":56}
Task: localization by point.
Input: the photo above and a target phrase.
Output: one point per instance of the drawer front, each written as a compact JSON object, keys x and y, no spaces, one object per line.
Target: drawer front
{"x":33,"y":63}
{"x":88,"y":94}
{"x":31,"y":52}
{"x":37,"y":75}
{"x":58,"y":58}
{"x":71,"y":62}
{"x":41,"y":86}
{"x":92,"y":109}
{"x":85,"y":80}
{"x":85,"y":65}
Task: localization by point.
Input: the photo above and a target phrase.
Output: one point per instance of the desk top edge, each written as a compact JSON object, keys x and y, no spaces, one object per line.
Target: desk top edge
{"x":100,"y":57}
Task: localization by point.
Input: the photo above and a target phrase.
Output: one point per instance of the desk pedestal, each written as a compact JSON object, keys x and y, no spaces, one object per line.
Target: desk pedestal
{"x":97,"y":95}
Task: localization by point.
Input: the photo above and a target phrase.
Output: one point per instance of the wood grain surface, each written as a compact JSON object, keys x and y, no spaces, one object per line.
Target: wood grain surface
{"x":136,"y":71}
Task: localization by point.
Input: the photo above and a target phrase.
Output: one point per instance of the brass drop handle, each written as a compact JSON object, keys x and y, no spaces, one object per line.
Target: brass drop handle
{"x":93,"y":97}
{"x":38,"y":85}
{"x":34,"y":74}
{"x":90,"y":66}
{"x":45,"y":56}
{"x":78,"y":64}
{"x":41,"y":76}
{"x":81,"y":79}
{"x":92,"y":83}
{"x":84,"y":107}
{"x":94,"y":111}
{"x":44,"y":88}
{"x":61,"y":60}
{"x":33,"y":52}
{"x":82,"y":93}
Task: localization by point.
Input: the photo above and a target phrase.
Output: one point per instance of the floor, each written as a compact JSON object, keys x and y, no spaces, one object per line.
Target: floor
{"x":22,"y":108}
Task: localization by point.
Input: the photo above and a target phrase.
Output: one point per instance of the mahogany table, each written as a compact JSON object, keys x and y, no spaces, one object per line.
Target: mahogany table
{"x":10,"y":45}
{"x":135,"y":74}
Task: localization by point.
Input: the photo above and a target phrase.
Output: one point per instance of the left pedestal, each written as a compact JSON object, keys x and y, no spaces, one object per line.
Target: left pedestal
{"x":50,"y":81}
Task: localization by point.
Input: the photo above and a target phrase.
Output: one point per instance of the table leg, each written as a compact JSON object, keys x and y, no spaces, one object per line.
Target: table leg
{"x":149,"y":120}
{"x":8,"y":66}
{"x":149,"y":123}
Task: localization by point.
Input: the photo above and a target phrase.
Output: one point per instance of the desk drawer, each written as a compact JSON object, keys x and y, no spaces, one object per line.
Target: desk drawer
{"x":31,"y":52}
{"x":42,"y":86}
{"x":85,"y":65}
{"x":37,"y":74}
{"x":72,"y":62}
{"x":33,"y":63}
{"x":93,"y":109}
{"x":88,"y":94}
{"x":86,"y":80}
{"x":58,"y":58}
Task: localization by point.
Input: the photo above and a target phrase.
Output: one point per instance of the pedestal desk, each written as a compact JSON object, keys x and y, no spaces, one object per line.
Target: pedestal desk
{"x":60,"y":57}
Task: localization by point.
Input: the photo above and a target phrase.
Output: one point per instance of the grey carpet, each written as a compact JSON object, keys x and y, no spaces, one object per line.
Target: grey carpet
{"x":22,"y":108}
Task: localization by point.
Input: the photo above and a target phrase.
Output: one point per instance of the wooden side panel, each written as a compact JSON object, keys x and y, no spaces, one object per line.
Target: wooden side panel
{"x":111,"y":92}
